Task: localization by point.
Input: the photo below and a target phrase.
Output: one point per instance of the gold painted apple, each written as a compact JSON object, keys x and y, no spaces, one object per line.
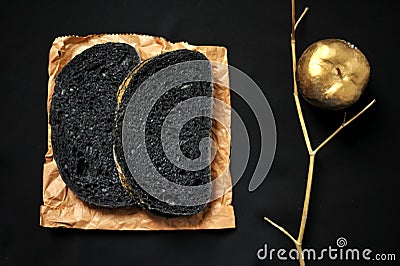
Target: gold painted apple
{"x":332,"y":74}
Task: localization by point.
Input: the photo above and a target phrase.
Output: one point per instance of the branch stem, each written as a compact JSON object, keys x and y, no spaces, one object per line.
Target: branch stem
{"x":306,"y":199}
{"x":301,"y":17}
{"x":280,"y":228}
{"x":295,"y":89}
{"x":343,"y":125}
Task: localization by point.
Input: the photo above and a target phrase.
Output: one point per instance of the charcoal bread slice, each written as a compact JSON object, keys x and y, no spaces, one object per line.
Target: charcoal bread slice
{"x":82,"y":116}
{"x":190,"y":135}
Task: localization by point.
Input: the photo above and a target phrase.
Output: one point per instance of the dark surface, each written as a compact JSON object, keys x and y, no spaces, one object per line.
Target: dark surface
{"x":163,"y":67}
{"x":355,"y":194}
{"x":82,"y":117}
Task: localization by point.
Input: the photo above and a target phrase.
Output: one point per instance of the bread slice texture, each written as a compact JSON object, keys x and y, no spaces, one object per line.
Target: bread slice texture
{"x":82,"y":116}
{"x":189,"y":137}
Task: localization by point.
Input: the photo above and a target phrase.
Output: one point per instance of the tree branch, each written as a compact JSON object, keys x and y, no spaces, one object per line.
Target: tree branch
{"x":343,"y":125}
{"x":312,"y":153}
{"x":280,"y":228}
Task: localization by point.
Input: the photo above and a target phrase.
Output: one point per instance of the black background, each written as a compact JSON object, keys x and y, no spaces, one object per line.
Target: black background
{"x":355,"y":194}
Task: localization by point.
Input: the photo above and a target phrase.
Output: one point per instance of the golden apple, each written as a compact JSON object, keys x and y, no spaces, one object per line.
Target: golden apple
{"x":332,"y":74}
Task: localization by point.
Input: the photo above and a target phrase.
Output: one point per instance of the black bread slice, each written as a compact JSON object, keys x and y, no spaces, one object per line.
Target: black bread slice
{"x":192,"y":132}
{"x":82,"y":116}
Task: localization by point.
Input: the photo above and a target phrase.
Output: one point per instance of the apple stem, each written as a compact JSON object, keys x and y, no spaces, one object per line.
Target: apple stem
{"x":312,"y":152}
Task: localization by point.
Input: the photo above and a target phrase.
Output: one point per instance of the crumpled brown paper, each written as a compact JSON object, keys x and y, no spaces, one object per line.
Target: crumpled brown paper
{"x":62,"y":208}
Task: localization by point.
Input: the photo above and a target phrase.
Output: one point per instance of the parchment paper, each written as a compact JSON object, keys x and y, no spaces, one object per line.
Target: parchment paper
{"x":62,"y":208}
